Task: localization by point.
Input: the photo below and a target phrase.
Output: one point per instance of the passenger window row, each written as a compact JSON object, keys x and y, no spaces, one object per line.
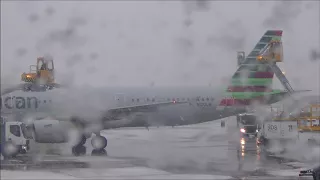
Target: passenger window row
{"x":175,"y":99}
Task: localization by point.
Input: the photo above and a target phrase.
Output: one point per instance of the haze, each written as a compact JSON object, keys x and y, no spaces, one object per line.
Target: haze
{"x":155,"y":43}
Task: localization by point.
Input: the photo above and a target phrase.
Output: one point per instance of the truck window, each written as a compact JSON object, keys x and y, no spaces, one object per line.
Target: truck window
{"x":15,"y":130}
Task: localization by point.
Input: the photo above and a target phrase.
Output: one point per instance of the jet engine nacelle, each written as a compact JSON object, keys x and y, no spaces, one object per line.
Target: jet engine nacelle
{"x":49,"y":131}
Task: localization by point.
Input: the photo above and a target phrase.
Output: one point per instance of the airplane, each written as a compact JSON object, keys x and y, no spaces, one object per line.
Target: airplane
{"x":90,"y":110}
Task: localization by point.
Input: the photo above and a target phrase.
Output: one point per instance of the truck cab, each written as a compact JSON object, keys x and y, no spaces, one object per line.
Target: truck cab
{"x":248,"y":125}
{"x":14,"y":138}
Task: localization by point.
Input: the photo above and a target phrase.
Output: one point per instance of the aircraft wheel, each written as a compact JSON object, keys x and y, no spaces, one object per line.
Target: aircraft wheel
{"x":99,"y":142}
{"x":79,"y":150}
{"x":99,"y":152}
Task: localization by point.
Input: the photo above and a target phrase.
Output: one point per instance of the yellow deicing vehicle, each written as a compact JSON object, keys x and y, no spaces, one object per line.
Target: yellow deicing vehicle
{"x":40,"y":76}
{"x":310,"y":120}
{"x":272,"y":52}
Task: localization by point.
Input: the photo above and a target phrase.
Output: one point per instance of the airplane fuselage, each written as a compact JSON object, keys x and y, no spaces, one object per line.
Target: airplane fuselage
{"x":86,"y":102}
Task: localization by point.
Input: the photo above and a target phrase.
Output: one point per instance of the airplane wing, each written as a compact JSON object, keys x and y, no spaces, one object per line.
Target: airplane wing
{"x":145,"y":106}
{"x":116,"y":117}
{"x":114,"y":113}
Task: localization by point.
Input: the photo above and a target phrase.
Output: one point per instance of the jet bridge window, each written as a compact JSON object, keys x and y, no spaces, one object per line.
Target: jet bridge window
{"x":15,"y":130}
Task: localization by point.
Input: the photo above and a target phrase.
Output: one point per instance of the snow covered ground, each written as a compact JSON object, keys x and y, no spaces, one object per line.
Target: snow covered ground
{"x":112,"y":173}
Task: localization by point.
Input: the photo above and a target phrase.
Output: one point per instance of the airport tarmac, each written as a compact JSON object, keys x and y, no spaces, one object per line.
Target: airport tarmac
{"x":200,"y":151}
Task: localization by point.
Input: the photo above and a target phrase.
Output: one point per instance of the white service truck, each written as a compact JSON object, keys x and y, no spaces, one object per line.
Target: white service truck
{"x":280,"y":132}
{"x":14,"y":138}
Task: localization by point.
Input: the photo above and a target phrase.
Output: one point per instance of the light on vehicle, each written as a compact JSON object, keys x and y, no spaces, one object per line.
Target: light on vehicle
{"x":243,"y":142}
{"x":257,"y":130}
{"x":28,"y":76}
{"x":242,"y":130}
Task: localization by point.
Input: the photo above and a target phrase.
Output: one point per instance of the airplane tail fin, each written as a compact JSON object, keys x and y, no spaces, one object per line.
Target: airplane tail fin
{"x":253,"y":78}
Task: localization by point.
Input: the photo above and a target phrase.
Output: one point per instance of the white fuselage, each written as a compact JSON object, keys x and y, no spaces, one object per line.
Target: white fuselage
{"x":90,"y":103}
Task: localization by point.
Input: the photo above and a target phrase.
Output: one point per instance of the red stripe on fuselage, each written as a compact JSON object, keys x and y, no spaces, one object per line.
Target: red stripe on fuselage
{"x":240,"y":102}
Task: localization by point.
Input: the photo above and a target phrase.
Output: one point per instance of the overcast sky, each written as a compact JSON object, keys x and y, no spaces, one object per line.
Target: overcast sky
{"x":169,"y":43}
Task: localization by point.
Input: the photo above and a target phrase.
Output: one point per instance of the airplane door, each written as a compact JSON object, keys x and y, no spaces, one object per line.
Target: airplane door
{"x":120,"y":99}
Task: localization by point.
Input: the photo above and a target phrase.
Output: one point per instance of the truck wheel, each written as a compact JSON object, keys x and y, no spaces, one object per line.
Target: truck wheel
{"x":9,"y":150}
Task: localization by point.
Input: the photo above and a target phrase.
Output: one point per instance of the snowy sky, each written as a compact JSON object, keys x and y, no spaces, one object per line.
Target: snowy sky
{"x":135,"y":43}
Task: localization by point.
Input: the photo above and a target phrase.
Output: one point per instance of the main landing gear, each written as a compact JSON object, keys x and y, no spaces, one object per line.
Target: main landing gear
{"x":98,"y":142}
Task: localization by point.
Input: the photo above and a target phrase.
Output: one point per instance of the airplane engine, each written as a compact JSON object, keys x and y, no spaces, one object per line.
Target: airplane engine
{"x":49,"y":131}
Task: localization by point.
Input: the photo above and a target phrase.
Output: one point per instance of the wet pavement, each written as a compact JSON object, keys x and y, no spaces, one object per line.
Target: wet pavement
{"x":199,"y":150}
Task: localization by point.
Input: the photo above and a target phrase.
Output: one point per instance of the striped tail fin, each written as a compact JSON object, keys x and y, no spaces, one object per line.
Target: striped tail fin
{"x":253,"y":79}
